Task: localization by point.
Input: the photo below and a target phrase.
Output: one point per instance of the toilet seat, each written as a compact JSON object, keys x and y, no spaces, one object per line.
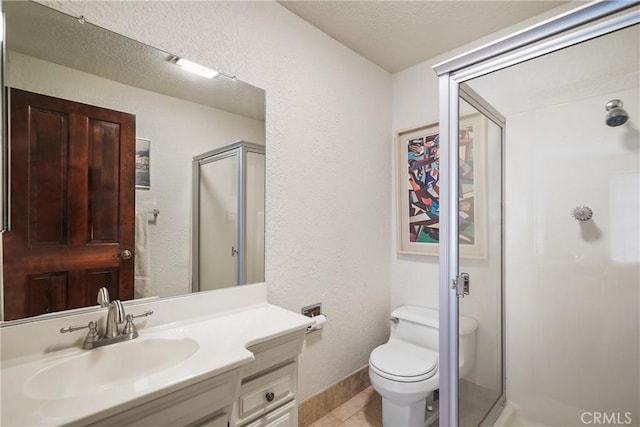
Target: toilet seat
{"x":403,"y":362}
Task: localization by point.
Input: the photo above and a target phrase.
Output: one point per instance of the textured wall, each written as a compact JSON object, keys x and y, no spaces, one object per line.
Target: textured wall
{"x":328,"y":182}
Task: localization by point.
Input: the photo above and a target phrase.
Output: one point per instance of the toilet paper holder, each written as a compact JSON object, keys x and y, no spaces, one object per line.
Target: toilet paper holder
{"x":315,"y":312}
{"x":318,"y":324}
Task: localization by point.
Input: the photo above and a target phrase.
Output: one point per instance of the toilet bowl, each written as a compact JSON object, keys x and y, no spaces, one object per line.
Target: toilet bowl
{"x":404,"y":371}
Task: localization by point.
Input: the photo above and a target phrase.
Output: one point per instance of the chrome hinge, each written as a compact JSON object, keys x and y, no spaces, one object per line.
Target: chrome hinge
{"x":461,"y":285}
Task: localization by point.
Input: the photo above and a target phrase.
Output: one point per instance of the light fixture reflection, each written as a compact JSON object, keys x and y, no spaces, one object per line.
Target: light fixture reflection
{"x":194,"y":68}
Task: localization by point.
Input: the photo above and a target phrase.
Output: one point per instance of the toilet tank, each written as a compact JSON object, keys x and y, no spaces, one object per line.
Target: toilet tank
{"x":419,"y":325}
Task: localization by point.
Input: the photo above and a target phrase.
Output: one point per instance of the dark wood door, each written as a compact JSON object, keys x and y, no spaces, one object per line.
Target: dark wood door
{"x":72,"y":203}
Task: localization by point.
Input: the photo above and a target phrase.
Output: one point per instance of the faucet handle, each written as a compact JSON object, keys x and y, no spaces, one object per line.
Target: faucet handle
{"x":91,"y":326}
{"x":130,"y":327}
{"x":145,"y":314}
{"x":92,"y":335}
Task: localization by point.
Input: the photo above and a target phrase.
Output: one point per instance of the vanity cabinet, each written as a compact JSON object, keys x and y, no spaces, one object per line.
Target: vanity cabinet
{"x":260,"y":394}
{"x":268,"y":392}
{"x":237,"y":370}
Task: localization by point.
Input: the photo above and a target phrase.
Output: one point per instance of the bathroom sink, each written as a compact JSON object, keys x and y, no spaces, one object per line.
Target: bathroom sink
{"x":97,"y":369}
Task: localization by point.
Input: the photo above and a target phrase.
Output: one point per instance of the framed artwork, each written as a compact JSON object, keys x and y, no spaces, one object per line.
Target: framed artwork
{"x":418,"y":191}
{"x":143,"y":178}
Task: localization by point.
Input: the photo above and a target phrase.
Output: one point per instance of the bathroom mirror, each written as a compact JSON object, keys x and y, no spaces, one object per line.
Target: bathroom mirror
{"x":62,"y":71}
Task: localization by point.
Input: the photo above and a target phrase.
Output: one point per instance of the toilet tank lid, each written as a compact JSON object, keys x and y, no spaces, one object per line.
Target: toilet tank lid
{"x":430,"y":317}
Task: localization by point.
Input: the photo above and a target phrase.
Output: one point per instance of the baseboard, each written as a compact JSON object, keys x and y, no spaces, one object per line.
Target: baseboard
{"x":319,"y":405}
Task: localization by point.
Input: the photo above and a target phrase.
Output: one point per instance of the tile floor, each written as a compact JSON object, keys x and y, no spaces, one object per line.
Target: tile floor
{"x":363,"y":410}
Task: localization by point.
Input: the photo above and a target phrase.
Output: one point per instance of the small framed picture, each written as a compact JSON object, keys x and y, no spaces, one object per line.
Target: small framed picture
{"x":143,"y":179}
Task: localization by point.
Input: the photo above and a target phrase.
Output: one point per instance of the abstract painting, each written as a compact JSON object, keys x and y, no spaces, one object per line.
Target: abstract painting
{"x":418,"y":158}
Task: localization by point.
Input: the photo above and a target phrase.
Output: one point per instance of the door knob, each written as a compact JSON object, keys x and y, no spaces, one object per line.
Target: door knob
{"x":126,"y":254}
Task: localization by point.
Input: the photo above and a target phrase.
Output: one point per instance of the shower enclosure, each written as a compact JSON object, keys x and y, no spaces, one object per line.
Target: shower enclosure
{"x":554,"y":197}
{"x":228,"y":216}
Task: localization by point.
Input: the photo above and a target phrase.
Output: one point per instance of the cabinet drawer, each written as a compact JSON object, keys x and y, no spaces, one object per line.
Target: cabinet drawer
{"x":220,"y":420}
{"x":282,"y":417}
{"x":267,"y":392}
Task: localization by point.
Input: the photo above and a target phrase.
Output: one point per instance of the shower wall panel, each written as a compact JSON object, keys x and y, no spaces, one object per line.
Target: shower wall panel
{"x":572,"y":295}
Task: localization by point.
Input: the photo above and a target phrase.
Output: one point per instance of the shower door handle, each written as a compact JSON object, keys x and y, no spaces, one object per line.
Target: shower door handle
{"x":461,"y":285}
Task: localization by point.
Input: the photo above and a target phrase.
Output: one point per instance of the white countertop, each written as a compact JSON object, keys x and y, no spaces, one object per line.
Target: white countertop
{"x":222,"y":340}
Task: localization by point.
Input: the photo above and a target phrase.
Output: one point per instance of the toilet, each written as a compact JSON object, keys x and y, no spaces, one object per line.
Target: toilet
{"x":404,"y":371}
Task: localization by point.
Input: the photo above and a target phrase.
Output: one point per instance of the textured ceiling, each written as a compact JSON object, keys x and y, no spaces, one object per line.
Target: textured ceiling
{"x":38,"y":31}
{"x":398,"y":34}
{"x":392,"y":34}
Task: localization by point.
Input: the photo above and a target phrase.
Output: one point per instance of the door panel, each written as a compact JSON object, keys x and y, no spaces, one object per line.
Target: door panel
{"x":46,"y":293}
{"x":48,"y":170}
{"x":480,"y":213}
{"x":104,"y":145}
{"x":72,"y":205}
{"x":98,"y":278}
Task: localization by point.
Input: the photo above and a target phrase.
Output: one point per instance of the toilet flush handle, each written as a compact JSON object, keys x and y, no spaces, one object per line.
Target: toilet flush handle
{"x":395,"y":320}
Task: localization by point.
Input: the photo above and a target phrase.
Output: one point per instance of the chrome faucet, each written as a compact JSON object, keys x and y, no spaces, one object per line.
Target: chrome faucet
{"x":115,"y":317}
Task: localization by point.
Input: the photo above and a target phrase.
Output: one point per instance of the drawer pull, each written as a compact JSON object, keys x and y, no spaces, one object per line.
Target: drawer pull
{"x":269,"y":396}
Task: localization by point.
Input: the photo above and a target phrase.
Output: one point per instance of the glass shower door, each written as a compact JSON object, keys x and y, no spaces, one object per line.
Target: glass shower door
{"x":480,"y":256}
{"x":218,"y":222}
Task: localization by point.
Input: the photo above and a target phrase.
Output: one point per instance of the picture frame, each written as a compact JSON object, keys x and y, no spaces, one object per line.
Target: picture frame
{"x":143,"y":176}
{"x":417,"y":166}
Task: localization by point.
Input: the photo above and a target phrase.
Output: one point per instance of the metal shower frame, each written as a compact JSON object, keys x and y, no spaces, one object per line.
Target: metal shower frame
{"x":239,"y":149}
{"x":575,"y":26}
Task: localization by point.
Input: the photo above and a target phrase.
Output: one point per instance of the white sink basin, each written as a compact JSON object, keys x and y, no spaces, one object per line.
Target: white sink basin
{"x":97,"y":369}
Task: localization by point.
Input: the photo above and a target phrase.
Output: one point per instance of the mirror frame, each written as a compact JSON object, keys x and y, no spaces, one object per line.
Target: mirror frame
{"x":4,"y":181}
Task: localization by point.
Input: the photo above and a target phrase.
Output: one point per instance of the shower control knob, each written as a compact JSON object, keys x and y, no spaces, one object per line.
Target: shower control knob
{"x":582,"y":213}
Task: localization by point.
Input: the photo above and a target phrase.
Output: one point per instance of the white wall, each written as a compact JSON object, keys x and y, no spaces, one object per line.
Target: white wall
{"x":414,"y":278}
{"x":161,"y":119}
{"x":328,"y":183}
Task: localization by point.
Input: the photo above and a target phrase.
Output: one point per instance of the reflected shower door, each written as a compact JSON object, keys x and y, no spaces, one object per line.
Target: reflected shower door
{"x":480,"y":207}
{"x":254,"y":226}
{"x":218,"y":224}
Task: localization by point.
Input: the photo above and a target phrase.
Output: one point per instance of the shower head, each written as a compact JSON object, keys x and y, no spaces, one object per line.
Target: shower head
{"x":616,"y":115}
